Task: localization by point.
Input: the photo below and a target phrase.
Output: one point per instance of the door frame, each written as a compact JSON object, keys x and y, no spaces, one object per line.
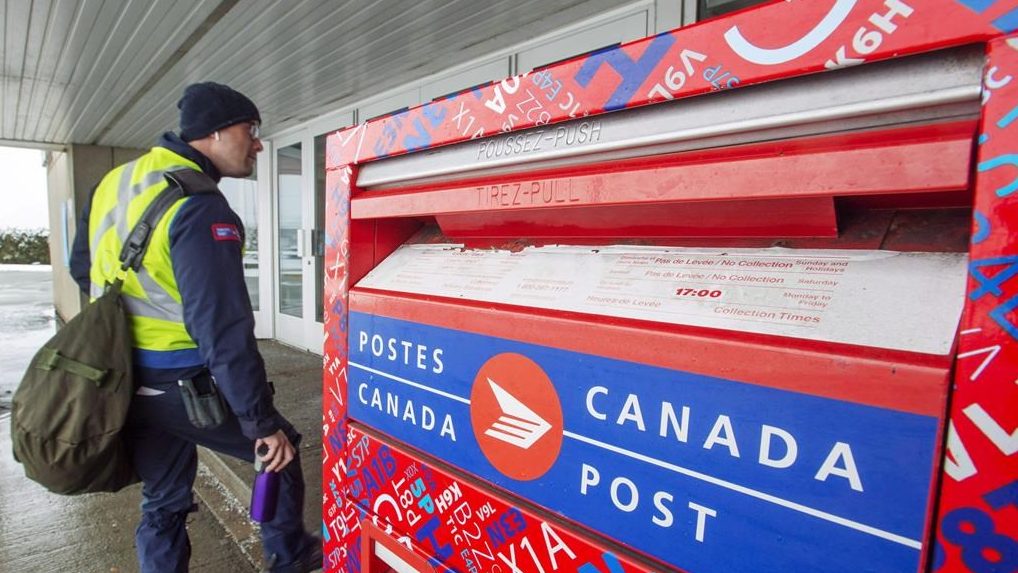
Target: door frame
{"x":289,"y":329}
{"x":265,"y":318}
{"x":307,"y":332}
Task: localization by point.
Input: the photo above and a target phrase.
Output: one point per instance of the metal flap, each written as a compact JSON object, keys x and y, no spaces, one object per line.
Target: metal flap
{"x":932,"y":87}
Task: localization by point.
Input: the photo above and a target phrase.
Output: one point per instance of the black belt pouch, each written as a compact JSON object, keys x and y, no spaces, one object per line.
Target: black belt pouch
{"x":205,"y":406}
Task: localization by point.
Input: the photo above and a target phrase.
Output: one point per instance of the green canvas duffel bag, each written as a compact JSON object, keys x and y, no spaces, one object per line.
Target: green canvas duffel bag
{"x":68,"y":411}
{"x":70,"y":406}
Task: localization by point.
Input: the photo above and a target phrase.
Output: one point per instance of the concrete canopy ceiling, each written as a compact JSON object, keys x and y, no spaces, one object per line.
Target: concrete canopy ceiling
{"x":109,"y":72}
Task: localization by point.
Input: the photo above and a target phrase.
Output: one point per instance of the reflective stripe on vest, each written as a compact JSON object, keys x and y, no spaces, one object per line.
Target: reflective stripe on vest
{"x":125,"y":194}
{"x":159,"y":304}
{"x":150,"y":296}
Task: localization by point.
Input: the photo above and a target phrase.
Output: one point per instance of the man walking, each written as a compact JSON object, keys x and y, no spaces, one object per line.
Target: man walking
{"x":193,"y":328}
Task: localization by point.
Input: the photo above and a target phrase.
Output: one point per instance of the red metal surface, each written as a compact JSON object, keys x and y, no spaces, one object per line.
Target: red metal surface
{"x":910,"y":227}
{"x":341,"y":540}
{"x":342,"y":529}
{"x":808,"y":217}
{"x":978,"y":514}
{"x":978,"y":518}
{"x":372,"y":241}
{"x":923,"y":159}
{"x":774,"y":41}
{"x":451,"y":518}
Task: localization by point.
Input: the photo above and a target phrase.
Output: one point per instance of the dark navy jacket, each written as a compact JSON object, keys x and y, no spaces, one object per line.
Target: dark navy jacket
{"x":217,"y":308}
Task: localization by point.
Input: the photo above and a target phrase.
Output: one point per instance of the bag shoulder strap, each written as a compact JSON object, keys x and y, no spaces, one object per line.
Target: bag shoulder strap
{"x":182,"y":183}
{"x":192,"y":181}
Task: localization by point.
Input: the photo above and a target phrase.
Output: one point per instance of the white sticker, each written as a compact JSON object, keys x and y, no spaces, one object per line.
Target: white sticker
{"x":884,"y":299}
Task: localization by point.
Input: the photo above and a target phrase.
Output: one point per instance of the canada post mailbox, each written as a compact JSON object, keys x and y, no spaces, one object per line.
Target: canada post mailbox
{"x":710,"y":334}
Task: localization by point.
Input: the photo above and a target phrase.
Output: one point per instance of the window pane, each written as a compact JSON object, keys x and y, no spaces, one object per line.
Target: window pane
{"x":291,"y":296}
{"x":242,"y":195}
{"x":711,"y":8}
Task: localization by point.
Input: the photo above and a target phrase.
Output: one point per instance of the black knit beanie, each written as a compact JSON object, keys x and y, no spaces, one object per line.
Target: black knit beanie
{"x":208,"y":107}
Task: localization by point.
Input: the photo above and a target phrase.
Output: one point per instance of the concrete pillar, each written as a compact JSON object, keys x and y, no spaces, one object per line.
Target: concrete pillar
{"x":71,"y":175}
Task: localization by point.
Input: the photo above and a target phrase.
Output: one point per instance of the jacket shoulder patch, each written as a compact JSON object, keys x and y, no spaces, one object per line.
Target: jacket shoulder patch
{"x":225,"y":232}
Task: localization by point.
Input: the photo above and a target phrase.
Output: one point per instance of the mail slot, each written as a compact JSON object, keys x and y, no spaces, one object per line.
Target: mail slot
{"x":709,"y":334}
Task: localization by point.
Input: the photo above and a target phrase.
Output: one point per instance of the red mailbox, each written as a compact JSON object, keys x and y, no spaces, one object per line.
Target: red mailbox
{"x":581,"y":320}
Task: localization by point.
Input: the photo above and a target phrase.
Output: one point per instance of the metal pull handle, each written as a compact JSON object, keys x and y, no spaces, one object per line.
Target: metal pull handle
{"x":317,"y":243}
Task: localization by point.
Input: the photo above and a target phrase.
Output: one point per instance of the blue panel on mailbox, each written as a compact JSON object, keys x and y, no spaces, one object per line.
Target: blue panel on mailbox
{"x":691,"y":469}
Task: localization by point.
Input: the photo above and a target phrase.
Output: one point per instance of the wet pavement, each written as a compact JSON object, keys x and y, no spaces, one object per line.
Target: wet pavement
{"x":26,"y":321}
{"x":42,"y":532}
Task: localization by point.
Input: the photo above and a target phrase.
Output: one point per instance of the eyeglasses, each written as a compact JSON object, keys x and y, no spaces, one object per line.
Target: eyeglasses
{"x":255,"y":130}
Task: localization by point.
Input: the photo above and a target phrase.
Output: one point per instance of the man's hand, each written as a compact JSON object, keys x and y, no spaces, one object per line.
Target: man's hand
{"x":280,"y":453}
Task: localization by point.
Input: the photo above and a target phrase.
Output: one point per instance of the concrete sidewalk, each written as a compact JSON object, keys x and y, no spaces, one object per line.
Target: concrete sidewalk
{"x":42,"y":532}
{"x":297,"y":376}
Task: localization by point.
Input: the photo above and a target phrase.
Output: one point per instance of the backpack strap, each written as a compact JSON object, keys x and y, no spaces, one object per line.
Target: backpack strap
{"x":182,"y":183}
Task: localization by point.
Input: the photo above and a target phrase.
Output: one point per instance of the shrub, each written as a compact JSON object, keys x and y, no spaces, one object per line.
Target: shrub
{"x":24,"y":246}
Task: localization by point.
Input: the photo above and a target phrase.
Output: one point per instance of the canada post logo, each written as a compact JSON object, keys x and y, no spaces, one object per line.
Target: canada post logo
{"x":516,"y":416}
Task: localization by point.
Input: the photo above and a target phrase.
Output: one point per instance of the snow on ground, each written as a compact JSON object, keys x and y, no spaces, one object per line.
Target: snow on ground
{"x":27,"y":321}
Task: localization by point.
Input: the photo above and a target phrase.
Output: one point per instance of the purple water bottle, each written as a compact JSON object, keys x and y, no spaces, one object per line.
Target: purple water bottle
{"x":265,"y":492}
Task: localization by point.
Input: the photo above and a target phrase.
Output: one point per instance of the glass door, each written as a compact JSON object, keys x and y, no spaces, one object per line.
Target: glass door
{"x":243,"y":197}
{"x":291,"y":246}
{"x":299,"y":174}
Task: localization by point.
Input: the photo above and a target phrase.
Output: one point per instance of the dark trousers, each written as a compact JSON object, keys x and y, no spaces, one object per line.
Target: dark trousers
{"x":162,"y":443}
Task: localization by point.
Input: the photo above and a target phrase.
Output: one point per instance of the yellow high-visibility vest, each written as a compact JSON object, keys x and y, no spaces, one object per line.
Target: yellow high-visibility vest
{"x":150,"y":295}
